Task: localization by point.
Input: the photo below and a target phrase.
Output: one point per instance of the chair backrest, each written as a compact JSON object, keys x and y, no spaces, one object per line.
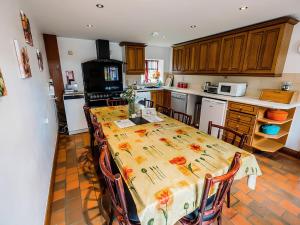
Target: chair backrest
{"x":164,"y":110}
{"x":148,"y":103}
{"x":182,"y":117}
{"x":115,"y":186}
{"x":228,"y":135}
{"x":224,"y":183}
{"x":87,"y":114}
{"x":115,"y":102}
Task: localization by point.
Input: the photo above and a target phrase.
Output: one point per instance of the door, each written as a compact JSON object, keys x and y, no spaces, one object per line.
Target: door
{"x":262,"y":50}
{"x":232,"y":53}
{"x":178,"y":59}
{"x":212,"y":110}
{"x":190,"y":58}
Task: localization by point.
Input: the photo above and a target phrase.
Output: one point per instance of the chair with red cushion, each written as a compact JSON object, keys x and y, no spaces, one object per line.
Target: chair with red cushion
{"x":123,"y":207}
{"x":210,"y":208}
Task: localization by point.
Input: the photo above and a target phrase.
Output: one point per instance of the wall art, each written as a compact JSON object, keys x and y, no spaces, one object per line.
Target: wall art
{"x":23,"y":60}
{"x":26,"y":28}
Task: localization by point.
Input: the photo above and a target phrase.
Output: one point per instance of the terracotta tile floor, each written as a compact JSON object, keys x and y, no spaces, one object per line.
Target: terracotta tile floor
{"x":276,"y":199}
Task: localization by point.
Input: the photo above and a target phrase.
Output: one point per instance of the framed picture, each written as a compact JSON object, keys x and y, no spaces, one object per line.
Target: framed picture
{"x":26,"y":28}
{"x":3,"y":90}
{"x":70,"y":76}
{"x":23,"y":60}
{"x":40,"y":60}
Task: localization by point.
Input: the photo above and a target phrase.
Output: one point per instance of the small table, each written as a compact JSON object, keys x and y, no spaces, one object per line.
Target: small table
{"x":164,"y":163}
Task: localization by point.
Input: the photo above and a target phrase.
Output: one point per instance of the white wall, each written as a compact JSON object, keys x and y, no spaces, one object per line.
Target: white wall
{"x":27,"y":143}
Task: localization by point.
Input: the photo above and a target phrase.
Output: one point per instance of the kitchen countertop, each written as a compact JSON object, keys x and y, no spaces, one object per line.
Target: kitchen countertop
{"x":244,"y":99}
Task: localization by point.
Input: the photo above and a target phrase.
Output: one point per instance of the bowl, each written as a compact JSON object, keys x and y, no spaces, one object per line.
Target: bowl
{"x":277,"y":115}
{"x":270,"y":129}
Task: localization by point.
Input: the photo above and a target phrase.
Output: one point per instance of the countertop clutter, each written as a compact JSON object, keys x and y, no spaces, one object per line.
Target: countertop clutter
{"x":244,"y":99}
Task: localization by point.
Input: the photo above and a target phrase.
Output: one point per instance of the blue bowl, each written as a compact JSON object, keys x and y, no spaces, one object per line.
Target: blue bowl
{"x":270,"y":129}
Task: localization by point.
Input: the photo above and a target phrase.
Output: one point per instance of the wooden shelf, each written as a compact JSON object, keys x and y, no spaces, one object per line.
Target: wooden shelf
{"x":277,"y":136}
{"x":268,"y":121}
{"x":268,"y":145}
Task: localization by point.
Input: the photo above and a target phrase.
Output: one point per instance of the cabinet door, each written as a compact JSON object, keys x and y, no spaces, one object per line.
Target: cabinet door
{"x":130,"y":59}
{"x":213,"y":55}
{"x":167,"y":98}
{"x":232,"y":53}
{"x":202,"y":57}
{"x":140,"y":59}
{"x":178,"y":59}
{"x":154,"y":97}
{"x":262,"y":50}
{"x":190,"y":58}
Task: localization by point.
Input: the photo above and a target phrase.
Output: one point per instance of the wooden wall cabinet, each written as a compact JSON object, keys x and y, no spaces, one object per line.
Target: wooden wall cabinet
{"x":232,"y":53}
{"x":135,"y":58}
{"x":255,"y":50}
{"x":266,"y":49}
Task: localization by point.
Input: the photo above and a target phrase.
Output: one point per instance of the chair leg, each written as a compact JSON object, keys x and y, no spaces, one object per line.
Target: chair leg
{"x":219,"y":220}
{"x":228,"y":199}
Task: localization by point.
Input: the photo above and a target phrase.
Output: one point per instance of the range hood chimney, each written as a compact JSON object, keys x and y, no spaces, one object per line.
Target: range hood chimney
{"x":102,"y":47}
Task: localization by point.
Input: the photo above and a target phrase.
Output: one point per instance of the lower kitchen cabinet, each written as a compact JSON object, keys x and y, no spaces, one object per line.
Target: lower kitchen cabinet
{"x":157,"y":97}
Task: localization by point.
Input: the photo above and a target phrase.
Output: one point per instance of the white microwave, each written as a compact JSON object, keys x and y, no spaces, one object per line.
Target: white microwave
{"x":232,"y":89}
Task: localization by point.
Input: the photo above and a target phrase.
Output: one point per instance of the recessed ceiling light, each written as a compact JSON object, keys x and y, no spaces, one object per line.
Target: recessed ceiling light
{"x":155,"y":34}
{"x":89,"y":25}
{"x":193,"y":26}
{"x":243,"y":8}
{"x":100,"y":6}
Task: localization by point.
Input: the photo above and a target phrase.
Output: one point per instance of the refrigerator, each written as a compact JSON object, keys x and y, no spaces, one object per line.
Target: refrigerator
{"x":212,"y":110}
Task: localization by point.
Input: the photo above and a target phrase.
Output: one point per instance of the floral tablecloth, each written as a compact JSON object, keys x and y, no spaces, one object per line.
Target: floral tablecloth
{"x":164,"y":164}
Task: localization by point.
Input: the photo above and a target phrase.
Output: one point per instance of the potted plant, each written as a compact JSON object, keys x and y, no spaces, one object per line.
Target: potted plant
{"x":129,"y":96}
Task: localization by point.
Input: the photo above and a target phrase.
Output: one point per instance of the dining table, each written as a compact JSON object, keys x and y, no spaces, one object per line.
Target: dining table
{"x":164,"y":163}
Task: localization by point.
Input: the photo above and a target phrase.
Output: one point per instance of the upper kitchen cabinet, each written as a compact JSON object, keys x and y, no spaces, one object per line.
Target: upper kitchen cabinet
{"x":134,"y":58}
{"x":232,"y":53}
{"x":266,"y":49}
{"x":178,"y":59}
{"x":255,"y":50}
{"x":209,"y":55}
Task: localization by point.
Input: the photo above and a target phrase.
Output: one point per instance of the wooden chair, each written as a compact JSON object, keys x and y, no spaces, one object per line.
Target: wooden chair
{"x":182,"y":117}
{"x":164,"y":110}
{"x":230,"y":136}
{"x":87,"y":114}
{"x":210,"y":209}
{"x":123,"y":207}
{"x":148,"y":103}
{"x":115,"y":102}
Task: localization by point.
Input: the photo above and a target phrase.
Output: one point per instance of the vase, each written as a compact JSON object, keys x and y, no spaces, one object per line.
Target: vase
{"x":131,"y":108}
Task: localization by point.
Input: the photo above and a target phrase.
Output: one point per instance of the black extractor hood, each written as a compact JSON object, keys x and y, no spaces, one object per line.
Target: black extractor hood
{"x":103,"y":52}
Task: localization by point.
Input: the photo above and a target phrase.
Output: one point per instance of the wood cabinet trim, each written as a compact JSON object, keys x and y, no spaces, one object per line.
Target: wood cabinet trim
{"x":280,"y":20}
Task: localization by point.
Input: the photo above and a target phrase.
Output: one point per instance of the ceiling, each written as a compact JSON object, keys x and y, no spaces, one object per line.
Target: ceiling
{"x":136,"y":20}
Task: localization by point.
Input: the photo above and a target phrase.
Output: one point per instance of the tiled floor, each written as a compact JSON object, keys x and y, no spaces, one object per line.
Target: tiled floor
{"x":276,"y":199}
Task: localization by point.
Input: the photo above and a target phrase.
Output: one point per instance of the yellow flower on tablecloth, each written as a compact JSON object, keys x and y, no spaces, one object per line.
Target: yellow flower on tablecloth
{"x":166,"y":141}
{"x":107,"y":124}
{"x":180,"y":131}
{"x":201,"y":140}
{"x":195,"y":147}
{"x":183,"y":183}
{"x":140,"y":159}
{"x":138,"y":141}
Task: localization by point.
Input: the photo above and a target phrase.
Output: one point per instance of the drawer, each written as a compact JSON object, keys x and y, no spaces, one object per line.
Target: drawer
{"x":240,"y":117}
{"x":245,"y":108}
{"x":240,"y":127}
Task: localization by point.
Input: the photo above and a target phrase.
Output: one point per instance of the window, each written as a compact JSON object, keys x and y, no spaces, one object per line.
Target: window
{"x":153,"y":71}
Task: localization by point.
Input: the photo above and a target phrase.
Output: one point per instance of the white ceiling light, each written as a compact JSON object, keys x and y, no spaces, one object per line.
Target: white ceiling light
{"x":193,"y":26}
{"x":100,"y":6}
{"x":243,"y":8}
{"x":89,"y":25}
{"x":155,"y":34}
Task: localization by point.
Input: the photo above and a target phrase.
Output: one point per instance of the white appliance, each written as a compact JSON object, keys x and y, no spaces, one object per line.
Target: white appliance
{"x":74,"y":112}
{"x":141,"y":95}
{"x":212,"y":110}
{"x":179,"y":101}
{"x":232,"y":89}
